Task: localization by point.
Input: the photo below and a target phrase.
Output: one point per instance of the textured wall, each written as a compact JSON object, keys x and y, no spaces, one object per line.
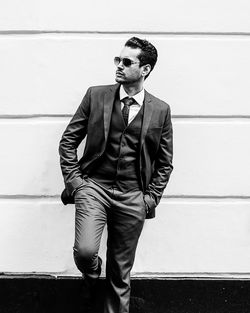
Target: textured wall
{"x":52,"y":51}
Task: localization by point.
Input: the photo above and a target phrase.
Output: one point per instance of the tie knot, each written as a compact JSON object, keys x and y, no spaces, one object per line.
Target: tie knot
{"x":128,"y":101}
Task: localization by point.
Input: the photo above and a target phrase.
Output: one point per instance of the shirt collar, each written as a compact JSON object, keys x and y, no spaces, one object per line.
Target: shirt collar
{"x":139,"y":97}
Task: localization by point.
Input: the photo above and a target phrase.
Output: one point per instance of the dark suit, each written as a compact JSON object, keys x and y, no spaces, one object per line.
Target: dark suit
{"x":93,"y":118}
{"x":96,"y":205}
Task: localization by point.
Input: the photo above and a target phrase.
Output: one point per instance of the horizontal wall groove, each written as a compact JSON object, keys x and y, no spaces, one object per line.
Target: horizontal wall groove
{"x":127,"y":32}
{"x":164,"y":197}
{"x":35,"y":116}
{"x":201,"y":197}
{"x":28,"y":197}
{"x":30,"y":116}
{"x":212,"y":116}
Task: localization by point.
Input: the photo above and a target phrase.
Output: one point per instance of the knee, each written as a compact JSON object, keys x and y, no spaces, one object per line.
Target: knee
{"x":84,"y":255}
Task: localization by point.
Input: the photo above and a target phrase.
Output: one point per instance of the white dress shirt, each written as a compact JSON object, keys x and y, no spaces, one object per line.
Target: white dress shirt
{"x":134,"y":108}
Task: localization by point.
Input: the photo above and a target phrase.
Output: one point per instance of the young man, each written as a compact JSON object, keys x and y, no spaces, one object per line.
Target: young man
{"x":124,"y":169}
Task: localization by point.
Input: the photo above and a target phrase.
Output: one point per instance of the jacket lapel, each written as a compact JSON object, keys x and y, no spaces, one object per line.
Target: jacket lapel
{"x":147,"y":114}
{"x":109,"y":98}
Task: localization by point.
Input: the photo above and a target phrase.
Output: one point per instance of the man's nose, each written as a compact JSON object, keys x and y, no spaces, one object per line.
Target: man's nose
{"x":120,"y":65}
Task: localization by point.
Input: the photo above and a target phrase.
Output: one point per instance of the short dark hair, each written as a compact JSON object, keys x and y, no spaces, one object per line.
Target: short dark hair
{"x":148,"y":53}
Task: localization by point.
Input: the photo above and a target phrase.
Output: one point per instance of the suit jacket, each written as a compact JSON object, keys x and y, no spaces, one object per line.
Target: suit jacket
{"x":92,"y":118}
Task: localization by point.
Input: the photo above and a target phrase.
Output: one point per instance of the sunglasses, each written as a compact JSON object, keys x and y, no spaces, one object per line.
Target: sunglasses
{"x":125,"y":61}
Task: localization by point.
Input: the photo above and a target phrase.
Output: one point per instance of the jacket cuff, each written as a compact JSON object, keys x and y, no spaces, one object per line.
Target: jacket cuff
{"x":74,"y":184}
{"x":149,"y":201}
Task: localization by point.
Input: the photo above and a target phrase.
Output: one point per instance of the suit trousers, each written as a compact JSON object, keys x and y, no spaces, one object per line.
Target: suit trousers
{"x":124,"y":214}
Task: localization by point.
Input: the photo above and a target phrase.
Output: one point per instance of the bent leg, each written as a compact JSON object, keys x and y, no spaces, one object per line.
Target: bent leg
{"x":90,"y":219}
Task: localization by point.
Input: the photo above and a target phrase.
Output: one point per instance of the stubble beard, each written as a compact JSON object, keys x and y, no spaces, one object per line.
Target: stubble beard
{"x":123,"y":81}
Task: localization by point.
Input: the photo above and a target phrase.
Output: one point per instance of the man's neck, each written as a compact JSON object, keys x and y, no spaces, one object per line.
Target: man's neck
{"x":132,"y":90}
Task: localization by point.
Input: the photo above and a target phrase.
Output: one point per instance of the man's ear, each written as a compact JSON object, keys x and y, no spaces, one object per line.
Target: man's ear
{"x":146,"y":69}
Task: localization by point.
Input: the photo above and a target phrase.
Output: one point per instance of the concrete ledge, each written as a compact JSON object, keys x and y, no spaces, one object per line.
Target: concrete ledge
{"x":37,"y":294}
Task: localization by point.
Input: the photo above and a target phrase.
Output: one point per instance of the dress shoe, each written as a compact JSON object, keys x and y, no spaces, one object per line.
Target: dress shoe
{"x":88,"y":291}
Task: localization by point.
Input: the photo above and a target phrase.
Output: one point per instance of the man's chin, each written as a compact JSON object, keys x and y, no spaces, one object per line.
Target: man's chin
{"x":120,"y":80}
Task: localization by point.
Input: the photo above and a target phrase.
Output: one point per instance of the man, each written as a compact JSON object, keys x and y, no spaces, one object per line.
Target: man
{"x":124,"y":169}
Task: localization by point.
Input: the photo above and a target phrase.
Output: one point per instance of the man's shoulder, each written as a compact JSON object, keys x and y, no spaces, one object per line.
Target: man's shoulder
{"x":158,"y":102}
{"x":102,"y":88}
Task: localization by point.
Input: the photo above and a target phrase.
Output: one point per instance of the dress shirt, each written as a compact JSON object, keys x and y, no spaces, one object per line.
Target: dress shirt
{"x":134,"y":108}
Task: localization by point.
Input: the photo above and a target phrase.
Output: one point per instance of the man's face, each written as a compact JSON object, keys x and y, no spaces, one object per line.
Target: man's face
{"x":133,"y":73}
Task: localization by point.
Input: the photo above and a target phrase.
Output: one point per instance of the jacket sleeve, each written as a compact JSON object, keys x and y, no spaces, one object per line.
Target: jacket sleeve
{"x":73,"y":135}
{"x":162,"y":165}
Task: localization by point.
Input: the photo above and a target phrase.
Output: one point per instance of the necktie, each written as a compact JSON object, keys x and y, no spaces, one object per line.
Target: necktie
{"x":125,"y":110}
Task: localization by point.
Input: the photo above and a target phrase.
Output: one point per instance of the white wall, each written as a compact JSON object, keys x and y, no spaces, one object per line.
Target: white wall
{"x":51,"y":52}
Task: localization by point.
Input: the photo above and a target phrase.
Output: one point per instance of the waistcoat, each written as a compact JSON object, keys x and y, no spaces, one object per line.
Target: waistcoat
{"x":118,"y":165}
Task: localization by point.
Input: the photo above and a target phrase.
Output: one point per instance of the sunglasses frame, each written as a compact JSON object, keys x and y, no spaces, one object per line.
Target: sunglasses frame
{"x":118,"y":60}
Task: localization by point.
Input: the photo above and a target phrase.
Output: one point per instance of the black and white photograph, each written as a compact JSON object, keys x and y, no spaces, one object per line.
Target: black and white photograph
{"x":124,"y":130}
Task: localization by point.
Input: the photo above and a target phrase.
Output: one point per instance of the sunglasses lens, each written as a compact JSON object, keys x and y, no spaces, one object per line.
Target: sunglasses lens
{"x":126,"y":62}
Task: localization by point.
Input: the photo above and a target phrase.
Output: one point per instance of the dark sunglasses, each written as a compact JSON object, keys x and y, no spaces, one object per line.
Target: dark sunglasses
{"x":125,"y":61}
